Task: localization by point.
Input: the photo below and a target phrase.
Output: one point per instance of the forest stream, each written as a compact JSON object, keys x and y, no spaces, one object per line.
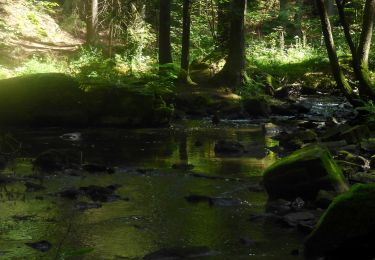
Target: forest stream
{"x":166,"y":191}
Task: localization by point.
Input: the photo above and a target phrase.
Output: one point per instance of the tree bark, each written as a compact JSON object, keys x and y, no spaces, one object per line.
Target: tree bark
{"x":92,"y":23}
{"x":223,"y":25}
{"x":233,"y":71}
{"x":366,"y":35}
{"x":165,"y":48}
{"x":185,"y":51}
{"x":340,"y":79}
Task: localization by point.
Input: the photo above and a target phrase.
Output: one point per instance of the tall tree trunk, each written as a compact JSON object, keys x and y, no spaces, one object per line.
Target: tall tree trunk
{"x":365,"y":89}
{"x":340,"y":79}
{"x":165,"y":49}
{"x":223,"y":25}
{"x":185,"y":51}
{"x":233,"y":71}
{"x":92,"y":23}
{"x":366,"y":36}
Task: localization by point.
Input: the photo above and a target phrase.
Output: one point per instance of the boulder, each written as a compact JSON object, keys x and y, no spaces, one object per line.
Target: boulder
{"x":347,"y":229}
{"x":42,"y":99}
{"x":303,"y":174}
{"x":123,"y":107}
{"x":56,"y":160}
{"x":257,"y":106}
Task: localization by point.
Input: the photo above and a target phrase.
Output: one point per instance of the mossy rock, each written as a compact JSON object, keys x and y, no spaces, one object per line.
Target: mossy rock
{"x":303,"y":174}
{"x":347,"y":229}
{"x":200,"y":72}
{"x":119,"y":106}
{"x":41,"y":99}
{"x":56,"y":160}
{"x":257,"y":106}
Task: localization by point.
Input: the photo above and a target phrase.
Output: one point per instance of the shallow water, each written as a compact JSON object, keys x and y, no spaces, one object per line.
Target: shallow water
{"x":156,"y":215}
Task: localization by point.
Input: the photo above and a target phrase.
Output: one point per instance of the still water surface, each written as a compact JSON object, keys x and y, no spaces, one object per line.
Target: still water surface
{"x":156,"y":215}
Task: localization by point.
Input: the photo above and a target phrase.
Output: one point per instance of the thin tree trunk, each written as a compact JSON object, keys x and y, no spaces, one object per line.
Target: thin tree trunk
{"x":340,"y":79}
{"x":366,"y":36}
{"x":234,"y":69}
{"x":365,"y":89}
{"x":92,"y":23}
{"x":165,"y":49}
{"x":185,"y":36}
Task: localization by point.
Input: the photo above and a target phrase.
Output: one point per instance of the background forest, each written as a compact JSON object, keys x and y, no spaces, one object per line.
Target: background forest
{"x":284,"y":41}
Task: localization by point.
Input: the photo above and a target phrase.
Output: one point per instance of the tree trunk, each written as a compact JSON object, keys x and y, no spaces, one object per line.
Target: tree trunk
{"x":340,"y":79}
{"x":365,"y":89}
{"x":92,"y":23}
{"x":185,"y":35}
{"x":165,"y":49}
{"x":223,"y":25}
{"x":366,"y":35}
{"x":233,"y":71}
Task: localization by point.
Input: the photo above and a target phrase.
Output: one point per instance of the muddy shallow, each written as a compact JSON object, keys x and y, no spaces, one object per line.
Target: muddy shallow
{"x":152,"y":212}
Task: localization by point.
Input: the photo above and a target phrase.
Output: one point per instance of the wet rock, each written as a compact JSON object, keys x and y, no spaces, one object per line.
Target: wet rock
{"x":87,"y":205}
{"x":98,"y":193}
{"x":96,"y":168}
{"x":224,"y":202}
{"x":183,"y":166}
{"x":180,"y":253}
{"x":298,"y":204}
{"x":228,"y":147}
{"x":266,"y":217}
{"x":347,"y":229}
{"x":297,"y":139}
{"x":69,"y":193}
{"x":257,"y":106}
{"x":279,"y":207}
{"x":72,"y":137}
{"x":42,"y":246}
{"x":219,"y":202}
{"x":55,"y":160}
{"x":303,"y":174}
{"x":295,"y":218}
{"x":31,"y":187}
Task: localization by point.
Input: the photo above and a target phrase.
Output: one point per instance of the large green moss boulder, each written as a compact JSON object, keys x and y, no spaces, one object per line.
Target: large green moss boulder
{"x":41,"y":99}
{"x":347,"y":229}
{"x":303,"y":174}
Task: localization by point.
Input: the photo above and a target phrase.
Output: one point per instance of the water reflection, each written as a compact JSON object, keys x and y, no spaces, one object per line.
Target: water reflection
{"x":156,"y":215}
